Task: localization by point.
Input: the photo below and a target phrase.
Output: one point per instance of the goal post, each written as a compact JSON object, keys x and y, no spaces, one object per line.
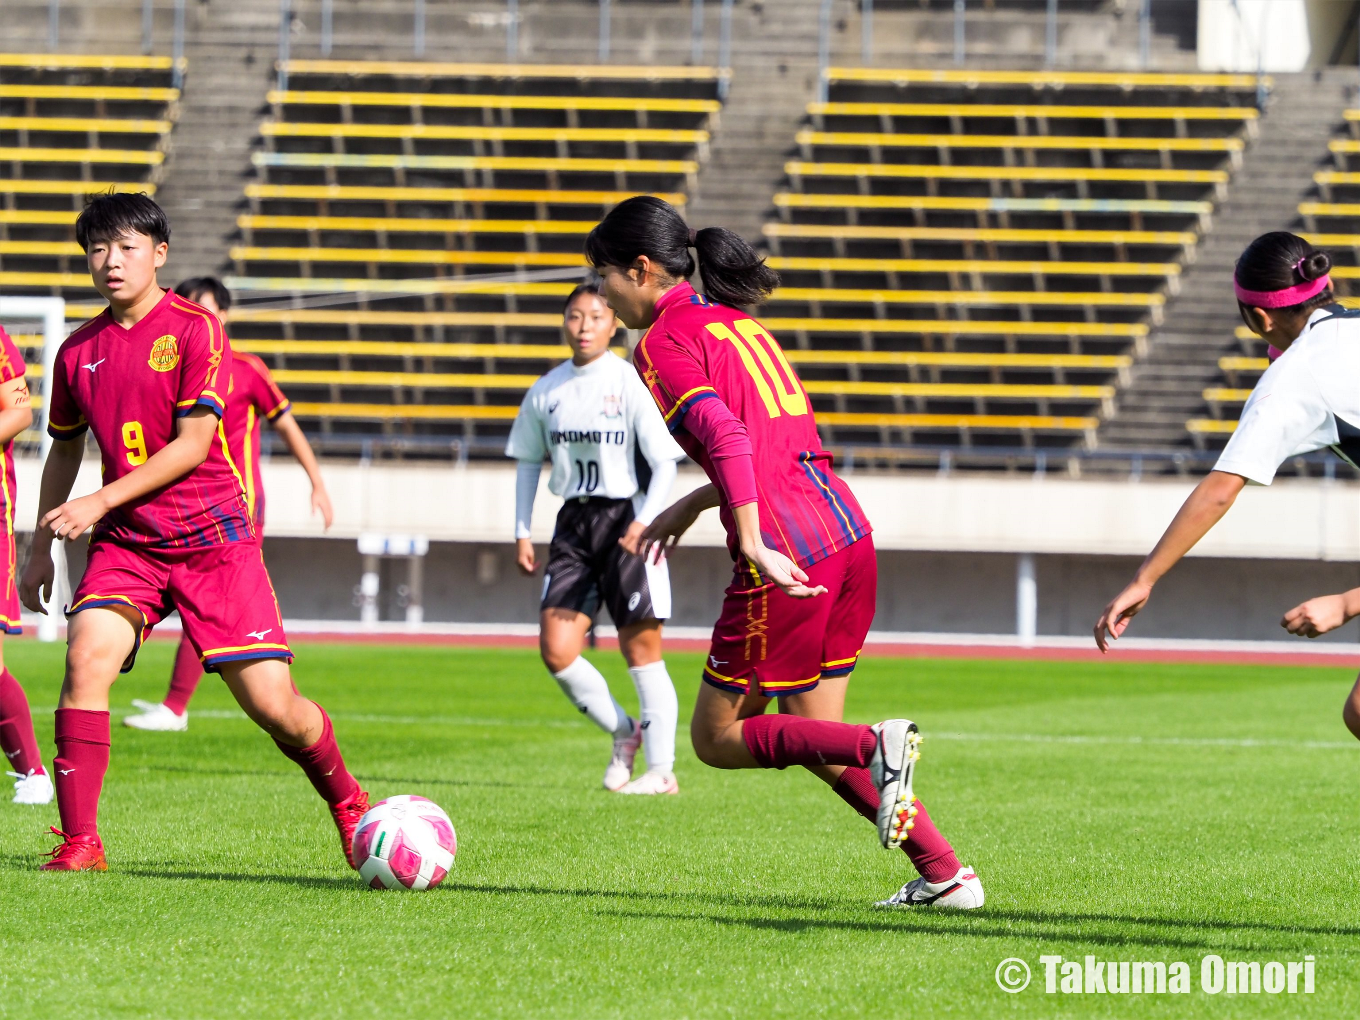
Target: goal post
{"x":20,"y":314}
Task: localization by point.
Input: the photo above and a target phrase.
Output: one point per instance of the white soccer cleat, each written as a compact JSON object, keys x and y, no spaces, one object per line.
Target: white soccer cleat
{"x":892,"y":768}
{"x":620,"y":768}
{"x":652,"y":783}
{"x":156,"y":716}
{"x":962,"y":892}
{"x":33,"y":788}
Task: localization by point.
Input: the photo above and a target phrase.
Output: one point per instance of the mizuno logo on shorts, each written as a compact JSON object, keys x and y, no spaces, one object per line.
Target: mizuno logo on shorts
{"x":258,"y":635}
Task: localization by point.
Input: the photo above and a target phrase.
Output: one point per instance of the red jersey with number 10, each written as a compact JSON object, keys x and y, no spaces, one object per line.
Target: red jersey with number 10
{"x":130,"y":387}
{"x":698,"y":350}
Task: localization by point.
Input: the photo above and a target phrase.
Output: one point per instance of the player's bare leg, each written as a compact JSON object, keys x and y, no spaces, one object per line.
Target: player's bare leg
{"x":32,"y":784}
{"x":264,"y":689}
{"x":658,"y":707}
{"x":99,"y":640}
{"x":1350,"y":711}
{"x":562,"y":635}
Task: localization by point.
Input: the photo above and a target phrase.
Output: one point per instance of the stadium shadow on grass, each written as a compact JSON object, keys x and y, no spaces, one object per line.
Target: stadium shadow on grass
{"x":306,"y":881}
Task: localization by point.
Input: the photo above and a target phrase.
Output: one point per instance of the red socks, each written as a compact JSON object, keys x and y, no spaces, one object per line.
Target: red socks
{"x":17,"y":738}
{"x":929,"y":851}
{"x":778,"y":741}
{"x":79,"y":767}
{"x":324,"y":764}
{"x":184,"y":680}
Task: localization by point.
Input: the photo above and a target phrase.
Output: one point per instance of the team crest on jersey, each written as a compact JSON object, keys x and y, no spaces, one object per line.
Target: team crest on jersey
{"x":613,"y":407}
{"x":164,"y":354}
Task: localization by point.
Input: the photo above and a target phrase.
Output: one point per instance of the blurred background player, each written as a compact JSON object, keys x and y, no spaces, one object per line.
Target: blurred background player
{"x":594,"y":419}
{"x":147,"y":378}
{"x":32,"y":785}
{"x":804,"y":584}
{"x":252,"y":397}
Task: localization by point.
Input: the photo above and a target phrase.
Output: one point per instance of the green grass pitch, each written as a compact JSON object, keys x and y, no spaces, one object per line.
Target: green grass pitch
{"x":1133,"y":812}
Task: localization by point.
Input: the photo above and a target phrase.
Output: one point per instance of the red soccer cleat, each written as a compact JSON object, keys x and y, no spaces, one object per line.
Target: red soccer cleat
{"x":347,"y":814}
{"x":76,"y":853}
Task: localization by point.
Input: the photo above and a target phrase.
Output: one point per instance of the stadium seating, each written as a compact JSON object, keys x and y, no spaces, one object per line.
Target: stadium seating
{"x":991,"y":213}
{"x":401,"y":185}
{"x":71,"y":125}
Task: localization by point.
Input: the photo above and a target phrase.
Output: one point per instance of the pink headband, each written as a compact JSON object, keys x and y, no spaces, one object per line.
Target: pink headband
{"x":1290,"y":296}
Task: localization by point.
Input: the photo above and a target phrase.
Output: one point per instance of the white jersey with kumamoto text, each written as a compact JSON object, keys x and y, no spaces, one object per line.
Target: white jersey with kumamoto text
{"x":1309,"y":399}
{"x":591,"y":421}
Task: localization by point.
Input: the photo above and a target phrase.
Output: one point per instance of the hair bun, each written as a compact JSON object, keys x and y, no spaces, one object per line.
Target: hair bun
{"x":1315,"y":265}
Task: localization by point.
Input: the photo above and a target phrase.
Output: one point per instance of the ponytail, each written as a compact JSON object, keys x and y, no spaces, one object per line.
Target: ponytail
{"x":733,"y":272}
{"x":1284,"y":273}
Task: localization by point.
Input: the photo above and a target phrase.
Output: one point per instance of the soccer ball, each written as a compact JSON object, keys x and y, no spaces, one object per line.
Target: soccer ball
{"x":404,"y":842}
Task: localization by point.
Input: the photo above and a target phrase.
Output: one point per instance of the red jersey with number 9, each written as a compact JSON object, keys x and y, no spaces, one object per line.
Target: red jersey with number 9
{"x":698,"y":350}
{"x":130,"y":387}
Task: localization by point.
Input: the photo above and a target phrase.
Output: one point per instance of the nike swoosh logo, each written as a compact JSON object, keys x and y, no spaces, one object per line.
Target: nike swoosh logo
{"x":258,"y":635}
{"x":94,"y":364}
{"x":65,"y":772}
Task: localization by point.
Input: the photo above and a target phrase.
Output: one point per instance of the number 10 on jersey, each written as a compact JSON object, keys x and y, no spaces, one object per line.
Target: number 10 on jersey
{"x":759,"y":353}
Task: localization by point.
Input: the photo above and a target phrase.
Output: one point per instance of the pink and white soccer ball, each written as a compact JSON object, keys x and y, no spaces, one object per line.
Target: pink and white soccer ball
{"x":404,"y":842}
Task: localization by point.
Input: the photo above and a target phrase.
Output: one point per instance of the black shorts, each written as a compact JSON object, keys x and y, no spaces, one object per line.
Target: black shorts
{"x":587,"y":566}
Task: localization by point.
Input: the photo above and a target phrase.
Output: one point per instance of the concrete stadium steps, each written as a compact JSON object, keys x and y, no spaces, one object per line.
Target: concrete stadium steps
{"x":1277,"y":173}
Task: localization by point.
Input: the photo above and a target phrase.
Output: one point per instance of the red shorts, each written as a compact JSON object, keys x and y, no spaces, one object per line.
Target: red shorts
{"x":771,"y":644}
{"x":9,"y":600}
{"x":223,"y":593}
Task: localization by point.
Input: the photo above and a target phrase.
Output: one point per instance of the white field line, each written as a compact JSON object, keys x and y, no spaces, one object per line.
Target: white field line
{"x":979,"y":738}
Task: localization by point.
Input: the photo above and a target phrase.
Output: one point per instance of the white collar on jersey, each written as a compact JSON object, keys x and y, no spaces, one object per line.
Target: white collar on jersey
{"x":593,"y":366}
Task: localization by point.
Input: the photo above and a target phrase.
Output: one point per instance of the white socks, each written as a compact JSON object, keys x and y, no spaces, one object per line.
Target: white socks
{"x":588,"y":690}
{"x":660,"y":714}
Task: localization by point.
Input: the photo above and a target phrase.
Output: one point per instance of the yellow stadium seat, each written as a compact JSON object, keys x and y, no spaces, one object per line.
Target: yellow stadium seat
{"x":957,"y":327}
{"x":325,"y":316}
{"x":1046,"y":79}
{"x":50,"y":248}
{"x":979,"y":266}
{"x":90,"y":93}
{"x":38,"y":217}
{"x":435,"y":69}
{"x":952,"y":203}
{"x":459,"y":132}
{"x":77,"y":188}
{"x":394,"y":256}
{"x":1210,"y":426}
{"x":406,"y":412}
{"x":86,"y":125}
{"x":539,"y":196}
{"x":324,"y":160}
{"x":982,"y":422}
{"x":412,"y":380}
{"x":967,"y":298}
{"x":47,"y":280}
{"x":807,"y":139}
{"x":415,"y":225}
{"x":439,"y":100}
{"x":128,"y":157}
{"x":980,"y":234}
{"x":797,"y":169}
{"x":1038,"y":111}
{"x":1237,"y":364}
{"x":84,"y":61}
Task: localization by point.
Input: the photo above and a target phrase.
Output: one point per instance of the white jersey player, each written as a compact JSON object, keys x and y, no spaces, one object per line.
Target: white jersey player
{"x":594,"y":420}
{"x":1307,"y":400}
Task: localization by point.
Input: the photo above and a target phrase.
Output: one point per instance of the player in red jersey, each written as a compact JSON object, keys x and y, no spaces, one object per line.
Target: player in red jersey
{"x":32,"y":785}
{"x":798,"y":609}
{"x":171,"y":527}
{"x":252,"y":397}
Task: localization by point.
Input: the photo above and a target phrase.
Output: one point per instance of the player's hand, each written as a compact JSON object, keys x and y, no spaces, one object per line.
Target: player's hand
{"x":790,"y":577}
{"x":1115,"y":619}
{"x":1316,"y":616}
{"x":321,"y":504}
{"x":632,"y":538}
{"x":663,"y":534}
{"x":38,"y":578}
{"x":74,"y":518}
{"x":524,"y":556}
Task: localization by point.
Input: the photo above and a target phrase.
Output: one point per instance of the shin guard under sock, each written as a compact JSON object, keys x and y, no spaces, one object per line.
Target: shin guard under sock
{"x":778,"y":741}
{"x":323,"y":764}
{"x":17,"y":739}
{"x":928,"y":850}
{"x":79,"y":767}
